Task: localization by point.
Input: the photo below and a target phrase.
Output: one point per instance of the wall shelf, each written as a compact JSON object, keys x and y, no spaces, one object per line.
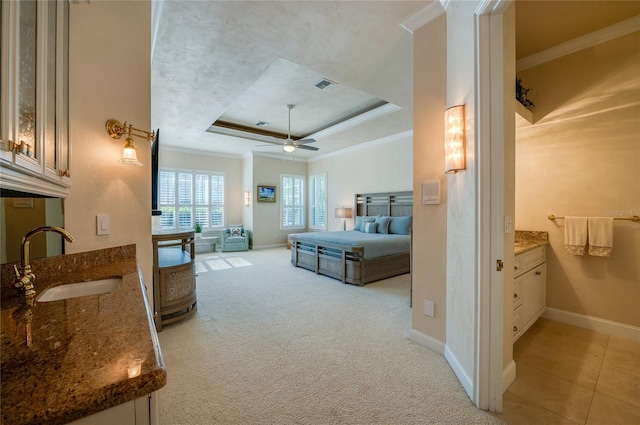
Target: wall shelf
{"x":524,"y":112}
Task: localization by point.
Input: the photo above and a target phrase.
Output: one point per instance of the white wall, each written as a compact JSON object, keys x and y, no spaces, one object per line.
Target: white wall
{"x":383,"y":167}
{"x":110,"y":77}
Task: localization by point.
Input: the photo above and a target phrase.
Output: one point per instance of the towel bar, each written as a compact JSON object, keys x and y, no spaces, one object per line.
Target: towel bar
{"x":634,"y":218}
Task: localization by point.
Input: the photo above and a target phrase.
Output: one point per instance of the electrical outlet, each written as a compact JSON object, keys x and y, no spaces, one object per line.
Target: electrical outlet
{"x":429,"y":308}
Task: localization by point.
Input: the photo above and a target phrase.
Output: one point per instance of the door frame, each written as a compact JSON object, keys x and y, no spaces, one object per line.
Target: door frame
{"x":490,"y":105}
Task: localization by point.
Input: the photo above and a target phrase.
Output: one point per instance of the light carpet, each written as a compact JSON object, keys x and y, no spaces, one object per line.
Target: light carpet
{"x":275,"y":344}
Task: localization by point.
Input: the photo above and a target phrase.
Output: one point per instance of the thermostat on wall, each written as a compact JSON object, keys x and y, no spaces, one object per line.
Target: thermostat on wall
{"x":431,"y":192}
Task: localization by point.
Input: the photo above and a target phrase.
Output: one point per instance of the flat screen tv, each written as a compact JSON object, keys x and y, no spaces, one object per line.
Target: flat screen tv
{"x":155,"y":151}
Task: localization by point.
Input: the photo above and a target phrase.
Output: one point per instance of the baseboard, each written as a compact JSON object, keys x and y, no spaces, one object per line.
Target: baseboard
{"x":594,"y":323}
{"x":508,"y":375}
{"x":464,"y":379}
{"x":427,"y":341}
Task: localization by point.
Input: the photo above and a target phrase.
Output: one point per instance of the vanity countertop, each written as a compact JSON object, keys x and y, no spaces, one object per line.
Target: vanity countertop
{"x":76,"y":362}
{"x":526,"y":240}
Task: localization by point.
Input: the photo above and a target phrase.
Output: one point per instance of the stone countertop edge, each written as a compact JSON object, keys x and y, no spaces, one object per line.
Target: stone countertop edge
{"x":527,"y":240}
{"x":77,"y":362}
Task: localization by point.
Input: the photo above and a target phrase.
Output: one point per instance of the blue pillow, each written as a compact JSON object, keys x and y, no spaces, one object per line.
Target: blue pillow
{"x":363,"y":222}
{"x":369,"y":227}
{"x":401,"y":225}
{"x":382,"y":224}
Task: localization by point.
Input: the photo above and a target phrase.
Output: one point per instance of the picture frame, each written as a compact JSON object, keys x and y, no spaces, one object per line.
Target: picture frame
{"x":266,"y":194}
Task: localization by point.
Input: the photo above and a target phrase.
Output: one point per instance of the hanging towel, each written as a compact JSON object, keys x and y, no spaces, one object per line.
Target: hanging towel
{"x":600,"y":236}
{"x":575,"y":235}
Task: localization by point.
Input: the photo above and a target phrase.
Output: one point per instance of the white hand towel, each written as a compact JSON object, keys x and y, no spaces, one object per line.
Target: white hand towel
{"x":575,"y":235}
{"x":600,"y":236}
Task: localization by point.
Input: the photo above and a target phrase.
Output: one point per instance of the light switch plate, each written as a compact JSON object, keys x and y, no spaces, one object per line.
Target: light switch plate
{"x":431,"y":192}
{"x":508,"y":225}
{"x":103,"y":224}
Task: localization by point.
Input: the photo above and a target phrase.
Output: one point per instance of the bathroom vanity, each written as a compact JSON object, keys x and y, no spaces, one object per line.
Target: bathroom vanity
{"x":85,"y":359}
{"x":530,"y":280}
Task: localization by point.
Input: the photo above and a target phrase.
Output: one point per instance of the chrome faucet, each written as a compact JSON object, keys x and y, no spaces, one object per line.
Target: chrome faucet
{"x":24,"y":276}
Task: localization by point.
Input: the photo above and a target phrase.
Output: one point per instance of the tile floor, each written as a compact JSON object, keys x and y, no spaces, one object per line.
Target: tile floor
{"x":569,"y":375}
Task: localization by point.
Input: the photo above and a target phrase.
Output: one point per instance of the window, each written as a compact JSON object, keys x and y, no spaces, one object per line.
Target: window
{"x":318,"y":202}
{"x":188,"y":197}
{"x":292,"y":202}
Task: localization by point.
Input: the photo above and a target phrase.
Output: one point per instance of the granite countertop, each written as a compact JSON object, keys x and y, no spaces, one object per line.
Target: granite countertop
{"x":76,"y":362}
{"x":526,"y":240}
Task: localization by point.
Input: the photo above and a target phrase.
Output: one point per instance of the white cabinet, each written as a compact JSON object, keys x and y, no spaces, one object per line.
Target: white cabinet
{"x":34,"y":118}
{"x":141,"y":411}
{"x":529,"y":289}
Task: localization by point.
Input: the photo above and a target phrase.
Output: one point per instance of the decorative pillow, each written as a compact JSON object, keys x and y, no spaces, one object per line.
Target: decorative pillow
{"x":382,"y":224}
{"x":235,"y":229}
{"x":358,"y":223}
{"x":401,"y":225}
{"x":369,"y":227}
{"x":364,"y":221}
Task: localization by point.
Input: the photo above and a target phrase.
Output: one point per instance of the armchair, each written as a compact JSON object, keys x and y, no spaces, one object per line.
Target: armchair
{"x":235,"y":238}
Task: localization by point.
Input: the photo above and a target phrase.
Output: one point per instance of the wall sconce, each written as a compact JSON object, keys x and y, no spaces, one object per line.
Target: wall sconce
{"x":454,"y":138}
{"x":117,"y":130}
{"x":344,"y":213}
{"x":247,"y":198}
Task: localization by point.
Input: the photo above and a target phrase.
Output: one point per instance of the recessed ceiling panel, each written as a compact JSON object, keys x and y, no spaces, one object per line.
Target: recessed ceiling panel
{"x":284,"y":83}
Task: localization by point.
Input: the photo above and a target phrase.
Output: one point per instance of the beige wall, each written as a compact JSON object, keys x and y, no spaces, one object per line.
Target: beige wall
{"x":429,"y":221}
{"x":266,"y":215}
{"x":109,"y":78}
{"x":383,"y":167}
{"x":581,"y":158}
{"x":231,"y":167}
{"x":247,"y":185}
{"x":462,"y":212}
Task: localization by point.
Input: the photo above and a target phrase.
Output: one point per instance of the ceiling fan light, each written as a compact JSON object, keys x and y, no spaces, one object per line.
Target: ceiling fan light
{"x":288,"y":148}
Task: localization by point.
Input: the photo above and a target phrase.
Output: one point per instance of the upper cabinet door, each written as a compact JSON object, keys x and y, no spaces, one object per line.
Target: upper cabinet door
{"x":35,"y":101}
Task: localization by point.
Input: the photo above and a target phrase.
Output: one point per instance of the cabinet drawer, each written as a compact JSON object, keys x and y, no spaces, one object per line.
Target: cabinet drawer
{"x":528,"y":260}
{"x":517,"y":291}
{"x":518,"y":324}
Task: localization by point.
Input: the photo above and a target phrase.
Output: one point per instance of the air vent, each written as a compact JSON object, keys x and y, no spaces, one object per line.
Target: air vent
{"x":324,"y":84}
{"x":261,"y":123}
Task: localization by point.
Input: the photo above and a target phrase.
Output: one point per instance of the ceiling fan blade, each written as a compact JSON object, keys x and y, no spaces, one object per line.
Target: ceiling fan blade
{"x":309,"y":148}
{"x":305,"y":141}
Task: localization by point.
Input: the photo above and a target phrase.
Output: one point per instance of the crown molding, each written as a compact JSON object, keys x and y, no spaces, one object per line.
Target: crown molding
{"x":366,"y":145}
{"x":492,"y":7}
{"x":423,"y":16}
{"x":584,"y":42}
{"x":198,"y":152}
{"x":355,"y":121}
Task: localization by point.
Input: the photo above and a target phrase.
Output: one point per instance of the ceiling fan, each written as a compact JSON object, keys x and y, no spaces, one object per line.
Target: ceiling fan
{"x":290,"y":145}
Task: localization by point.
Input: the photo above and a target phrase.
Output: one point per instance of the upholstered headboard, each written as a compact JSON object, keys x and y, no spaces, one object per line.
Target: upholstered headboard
{"x":393,"y":204}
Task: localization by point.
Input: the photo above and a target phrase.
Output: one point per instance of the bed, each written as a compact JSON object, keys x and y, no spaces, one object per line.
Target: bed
{"x":358,"y":256}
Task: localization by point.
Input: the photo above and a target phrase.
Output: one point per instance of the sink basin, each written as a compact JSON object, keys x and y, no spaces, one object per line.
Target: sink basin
{"x":80,"y":289}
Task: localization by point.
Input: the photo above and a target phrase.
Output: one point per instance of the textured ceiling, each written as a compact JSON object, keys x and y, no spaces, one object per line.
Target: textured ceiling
{"x":245,"y":61}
